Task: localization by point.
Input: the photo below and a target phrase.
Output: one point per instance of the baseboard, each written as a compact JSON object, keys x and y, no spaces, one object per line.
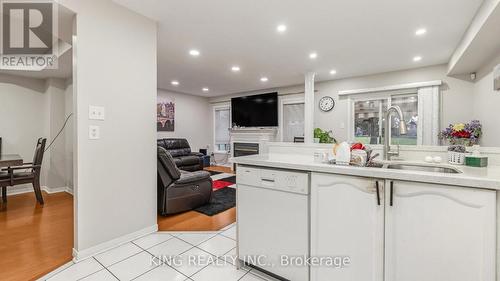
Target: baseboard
{"x":103,"y":247}
{"x":18,"y":190}
{"x":27,"y":189}
{"x":51,"y":190}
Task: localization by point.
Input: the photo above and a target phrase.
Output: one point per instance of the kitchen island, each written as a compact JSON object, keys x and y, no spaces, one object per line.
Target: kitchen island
{"x":391,"y":224}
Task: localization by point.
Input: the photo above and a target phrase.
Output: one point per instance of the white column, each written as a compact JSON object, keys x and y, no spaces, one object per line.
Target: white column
{"x":309,"y":107}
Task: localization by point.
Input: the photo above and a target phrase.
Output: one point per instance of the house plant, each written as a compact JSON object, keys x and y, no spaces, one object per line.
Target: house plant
{"x":324,"y":136}
{"x":459,"y":136}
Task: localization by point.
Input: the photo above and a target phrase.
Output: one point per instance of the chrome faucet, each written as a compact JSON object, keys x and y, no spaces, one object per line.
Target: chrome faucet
{"x":402,"y":130}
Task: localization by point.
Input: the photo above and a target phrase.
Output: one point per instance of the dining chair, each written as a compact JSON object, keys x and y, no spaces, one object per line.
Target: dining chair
{"x":298,"y":139}
{"x":4,"y":182}
{"x":25,"y":174}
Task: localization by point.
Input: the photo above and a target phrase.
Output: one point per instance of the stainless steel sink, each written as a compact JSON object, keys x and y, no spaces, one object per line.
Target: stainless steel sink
{"x":424,"y":168}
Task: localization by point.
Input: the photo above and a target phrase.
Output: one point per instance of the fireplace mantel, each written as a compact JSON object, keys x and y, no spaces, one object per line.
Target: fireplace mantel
{"x":253,"y":135}
{"x":271,"y":131}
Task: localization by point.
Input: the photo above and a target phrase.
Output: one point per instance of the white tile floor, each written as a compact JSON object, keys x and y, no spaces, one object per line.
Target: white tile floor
{"x":197,"y":256}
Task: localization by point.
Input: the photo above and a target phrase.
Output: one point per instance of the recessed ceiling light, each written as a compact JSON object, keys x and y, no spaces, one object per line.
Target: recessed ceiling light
{"x":420,"y":31}
{"x":175,"y":83}
{"x":333,"y":72}
{"x":194,"y":52}
{"x":417,"y":58}
{"x":264,"y":79}
{"x":313,"y":55}
{"x":205,"y":89}
{"x":281,"y":28}
{"x":235,"y":68}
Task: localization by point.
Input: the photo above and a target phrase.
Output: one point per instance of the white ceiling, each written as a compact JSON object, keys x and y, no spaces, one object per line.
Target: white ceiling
{"x":481,"y":46}
{"x":355,"y":37}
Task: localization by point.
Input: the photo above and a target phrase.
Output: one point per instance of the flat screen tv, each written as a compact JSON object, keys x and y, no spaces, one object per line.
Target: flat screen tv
{"x":255,"y":111}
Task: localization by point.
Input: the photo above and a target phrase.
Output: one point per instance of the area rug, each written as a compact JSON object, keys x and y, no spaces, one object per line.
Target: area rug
{"x":222,"y":200}
{"x":221,"y":184}
{"x":231,"y":179}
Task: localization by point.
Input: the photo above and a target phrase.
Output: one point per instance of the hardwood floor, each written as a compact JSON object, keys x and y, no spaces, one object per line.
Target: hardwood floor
{"x":35,"y":240}
{"x":194,"y":221}
{"x":222,"y":169}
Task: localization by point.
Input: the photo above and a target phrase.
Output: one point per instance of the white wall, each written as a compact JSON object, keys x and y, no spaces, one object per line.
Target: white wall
{"x":29,"y":109}
{"x":69,"y":132}
{"x":486,"y":105}
{"x":457,"y":95}
{"x":192,"y":115}
{"x":115,"y":186}
{"x":59,"y":169}
{"x":23,"y":117}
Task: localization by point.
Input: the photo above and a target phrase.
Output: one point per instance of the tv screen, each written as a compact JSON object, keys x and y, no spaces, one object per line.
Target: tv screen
{"x":255,"y":111}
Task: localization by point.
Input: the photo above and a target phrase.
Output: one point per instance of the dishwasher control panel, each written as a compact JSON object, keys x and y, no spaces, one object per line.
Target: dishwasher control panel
{"x":289,"y":181}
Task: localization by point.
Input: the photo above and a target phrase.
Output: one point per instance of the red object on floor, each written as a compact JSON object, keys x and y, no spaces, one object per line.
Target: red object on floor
{"x":221,"y":184}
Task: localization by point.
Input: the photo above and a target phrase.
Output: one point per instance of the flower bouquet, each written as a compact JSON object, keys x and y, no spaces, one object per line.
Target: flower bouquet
{"x":464,"y":134}
{"x":459,"y":136}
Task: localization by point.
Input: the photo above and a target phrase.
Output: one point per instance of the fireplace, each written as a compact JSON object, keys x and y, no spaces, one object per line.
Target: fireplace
{"x":244,"y":149}
{"x":250,"y":141}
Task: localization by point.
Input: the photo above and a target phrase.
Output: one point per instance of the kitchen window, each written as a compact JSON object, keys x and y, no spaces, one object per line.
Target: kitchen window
{"x":420,"y":107}
{"x":409,"y":107}
{"x":369,"y":120}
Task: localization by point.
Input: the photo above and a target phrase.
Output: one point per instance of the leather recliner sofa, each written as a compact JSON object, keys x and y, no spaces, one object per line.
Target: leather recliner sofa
{"x":184,"y":158}
{"x":180,"y":191}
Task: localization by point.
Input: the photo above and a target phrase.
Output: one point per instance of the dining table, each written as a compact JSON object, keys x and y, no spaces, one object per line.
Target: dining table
{"x":10,"y":160}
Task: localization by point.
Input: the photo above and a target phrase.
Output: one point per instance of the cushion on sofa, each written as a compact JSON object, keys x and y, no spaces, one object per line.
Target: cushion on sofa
{"x":193,"y":177}
{"x":167,"y":162}
{"x":189,"y":160}
{"x":160,"y":142}
{"x":181,"y":153}
{"x":177,"y":147}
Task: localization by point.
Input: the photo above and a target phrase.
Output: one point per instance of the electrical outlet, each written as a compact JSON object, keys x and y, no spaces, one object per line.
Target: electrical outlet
{"x":96,"y":112}
{"x":94,"y":132}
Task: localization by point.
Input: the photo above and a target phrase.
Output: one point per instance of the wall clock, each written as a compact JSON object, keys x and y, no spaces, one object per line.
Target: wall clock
{"x":326,"y":103}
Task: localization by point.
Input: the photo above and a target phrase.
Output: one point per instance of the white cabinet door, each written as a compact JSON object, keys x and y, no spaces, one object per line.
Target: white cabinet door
{"x":439,"y":233}
{"x":347,"y":221}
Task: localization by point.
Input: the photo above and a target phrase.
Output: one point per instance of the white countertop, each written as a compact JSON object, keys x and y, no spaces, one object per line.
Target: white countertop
{"x":488,"y":178}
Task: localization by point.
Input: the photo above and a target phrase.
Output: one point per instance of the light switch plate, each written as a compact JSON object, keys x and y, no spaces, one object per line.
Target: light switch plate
{"x":94,"y":132}
{"x":96,"y":112}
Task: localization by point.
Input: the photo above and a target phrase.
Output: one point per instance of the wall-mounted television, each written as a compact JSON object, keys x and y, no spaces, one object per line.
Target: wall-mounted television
{"x":255,"y":111}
